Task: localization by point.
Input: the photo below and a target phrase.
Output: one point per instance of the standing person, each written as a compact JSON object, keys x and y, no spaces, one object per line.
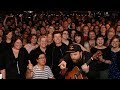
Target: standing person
{"x":101,"y":68}
{"x":40,"y":70}
{"x":7,"y":39}
{"x":55,"y":52}
{"x":14,"y":60}
{"x":114,"y":68}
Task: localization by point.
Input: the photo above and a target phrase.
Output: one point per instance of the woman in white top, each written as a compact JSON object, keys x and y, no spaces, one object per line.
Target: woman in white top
{"x":40,"y":70}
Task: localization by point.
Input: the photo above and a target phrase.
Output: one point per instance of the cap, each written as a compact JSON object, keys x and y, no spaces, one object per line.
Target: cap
{"x":74,"y":48}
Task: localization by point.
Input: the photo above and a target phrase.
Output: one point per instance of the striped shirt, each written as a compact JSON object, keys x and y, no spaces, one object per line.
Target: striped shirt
{"x":42,"y":74}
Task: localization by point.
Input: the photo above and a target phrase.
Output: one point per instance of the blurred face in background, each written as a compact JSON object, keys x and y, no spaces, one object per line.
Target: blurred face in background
{"x":78,"y":39}
{"x":1,"y":32}
{"x":9,"y":35}
{"x":92,"y":35}
{"x":49,"y":38}
{"x":51,"y":29}
{"x":18,"y":44}
{"x":33,"y":31}
{"x":42,"y":31}
{"x":34,"y":39}
{"x":42,"y":41}
{"x":65,"y":35}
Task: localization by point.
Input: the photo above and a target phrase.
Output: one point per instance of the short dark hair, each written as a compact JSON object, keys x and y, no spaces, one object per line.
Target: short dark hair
{"x":57,"y":32}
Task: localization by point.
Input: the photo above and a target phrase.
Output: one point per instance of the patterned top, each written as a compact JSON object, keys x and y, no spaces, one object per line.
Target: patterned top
{"x":42,"y":74}
{"x":114,"y":72}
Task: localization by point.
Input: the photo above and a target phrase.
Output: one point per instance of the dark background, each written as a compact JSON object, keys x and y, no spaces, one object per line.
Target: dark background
{"x":60,"y":4}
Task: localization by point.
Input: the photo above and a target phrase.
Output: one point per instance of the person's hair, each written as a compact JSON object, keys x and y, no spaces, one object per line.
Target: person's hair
{"x":15,"y":39}
{"x":99,"y":36}
{"x":30,"y":37}
{"x":80,"y":35}
{"x":90,"y":32}
{"x":40,"y":37}
{"x":5,"y":33}
{"x":57,"y":32}
{"x":115,"y":37}
{"x":37,"y":55}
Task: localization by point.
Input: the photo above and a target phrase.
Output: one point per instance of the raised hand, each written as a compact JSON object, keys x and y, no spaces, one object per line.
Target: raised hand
{"x":30,"y":65}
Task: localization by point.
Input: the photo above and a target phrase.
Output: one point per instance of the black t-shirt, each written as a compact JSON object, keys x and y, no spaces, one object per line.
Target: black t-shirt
{"x":97,"y":65}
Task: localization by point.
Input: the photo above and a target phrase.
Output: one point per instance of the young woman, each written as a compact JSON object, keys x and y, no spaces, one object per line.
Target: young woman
{"x":14,"y":61}
{"x":33,"y":43}
{"x":100,"y":67}
{"x":114,"y":68}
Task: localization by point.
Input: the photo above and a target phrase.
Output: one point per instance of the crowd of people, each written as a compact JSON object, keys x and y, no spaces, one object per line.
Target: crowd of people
{"x":40,"y":45}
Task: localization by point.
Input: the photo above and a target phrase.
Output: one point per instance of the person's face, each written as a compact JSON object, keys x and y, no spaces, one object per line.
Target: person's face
{"x":24,"y":26}
{"x":1,"y":33}
{"x":107,"y":26}
{"x":65,"y":24}
{"x":57,"y":38}
{"x":96,"y":29}
{"x":78,"y":39}
{"x":43,"y":42}
{"x":65,"y":35}
{"x":25,"y":35}
{"x":51,"y":29}
{"x":115,"y":43}
{"x":100,"y":41}
{"x":75,"y":56}
{"x":33,"y":31}
{"x":34,"y":39}
{"x":60,"y":28}
{"x":78,"y":28}
{"x":73,"y":33}
{"x":41,"y":60}
{"x":118,"y":28}
{"x":85,"y":29}
{"x":73,"y":25}
{"x":92,"y":35}
{"x":9,"y":35}
{"x":49,"y":37}
{"x":42,"y":31}
{"x":111,"y":35}
{"x":18,"y":44}
{"x":89,"y":25}
{"x":69,"y":20}
{"x":103,"y":29}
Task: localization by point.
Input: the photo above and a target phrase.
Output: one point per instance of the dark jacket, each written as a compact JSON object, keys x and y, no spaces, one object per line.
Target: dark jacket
{"x":54,"y":54}
{"x":9,"y":62}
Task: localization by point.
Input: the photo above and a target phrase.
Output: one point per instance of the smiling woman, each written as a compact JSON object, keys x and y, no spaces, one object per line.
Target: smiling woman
{"x":14,"y":61}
